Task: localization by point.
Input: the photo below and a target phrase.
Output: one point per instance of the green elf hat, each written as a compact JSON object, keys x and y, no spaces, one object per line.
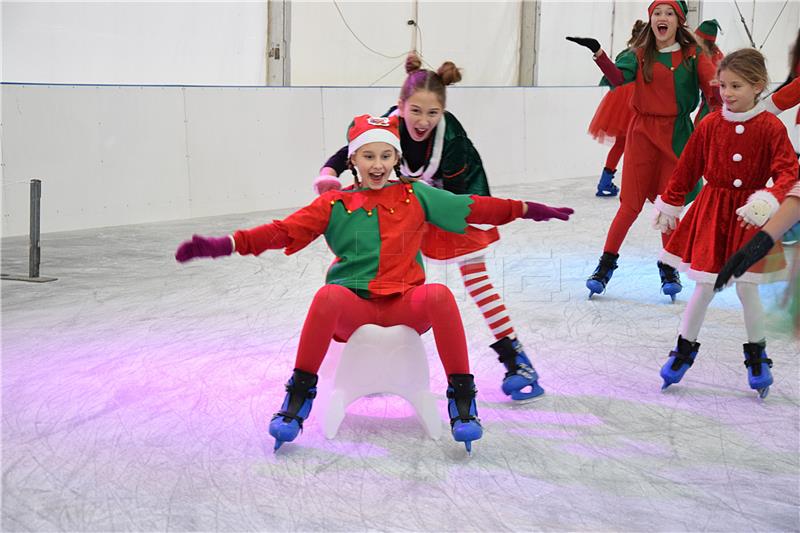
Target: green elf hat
{"x":708,"y":30}
{"x":679,"y":6}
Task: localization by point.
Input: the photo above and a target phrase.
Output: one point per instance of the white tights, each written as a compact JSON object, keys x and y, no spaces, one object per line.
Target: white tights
{"x":698,"y":304}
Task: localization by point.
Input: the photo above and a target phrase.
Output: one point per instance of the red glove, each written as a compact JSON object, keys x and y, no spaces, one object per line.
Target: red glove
{"x":204,"y":247}
{"x":541,"y":212}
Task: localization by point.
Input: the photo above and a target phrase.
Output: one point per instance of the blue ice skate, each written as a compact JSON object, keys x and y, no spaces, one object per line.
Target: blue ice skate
{"x":520,"y":373}
{"x":301,"y":389}
{"x":602,"y":274}
{"x":606,"y":187}
{"x":464,"y":422}
{"x":758,"y":366}
{"x":680,"y":359}
{"x":670,"y":280}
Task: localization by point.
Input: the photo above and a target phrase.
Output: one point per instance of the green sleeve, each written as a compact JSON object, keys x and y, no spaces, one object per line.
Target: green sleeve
{"x":443,"y":209}
{"x":628,"y":63}
{"x":461,"y":169}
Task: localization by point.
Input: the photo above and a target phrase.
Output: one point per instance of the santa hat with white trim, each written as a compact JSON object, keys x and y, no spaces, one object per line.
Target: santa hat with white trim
{"x":368,"y":129}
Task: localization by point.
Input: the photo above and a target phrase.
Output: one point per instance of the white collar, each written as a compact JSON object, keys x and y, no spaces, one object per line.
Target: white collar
{"x":730,"y":116}
{"x":671,"y":48}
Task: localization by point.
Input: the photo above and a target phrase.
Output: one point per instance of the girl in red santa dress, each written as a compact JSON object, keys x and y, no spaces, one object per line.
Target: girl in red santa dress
{"x":738,"y":150}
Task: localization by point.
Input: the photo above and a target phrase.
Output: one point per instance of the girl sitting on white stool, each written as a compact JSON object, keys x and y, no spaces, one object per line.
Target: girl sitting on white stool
{"x":375,"y":231}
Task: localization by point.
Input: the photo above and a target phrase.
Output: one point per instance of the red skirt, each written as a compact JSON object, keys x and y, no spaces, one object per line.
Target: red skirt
{"x":443,"y":245}
{"x":613,"y":115}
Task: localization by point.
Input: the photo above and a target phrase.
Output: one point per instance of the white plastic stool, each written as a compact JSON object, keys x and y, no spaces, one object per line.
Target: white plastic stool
{"x":377,"y":360}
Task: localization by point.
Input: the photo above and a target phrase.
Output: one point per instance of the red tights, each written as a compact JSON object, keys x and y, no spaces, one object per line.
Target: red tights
{"x":624,"y":219}
{"x":336,"y":310}
{"x":615,"y":154}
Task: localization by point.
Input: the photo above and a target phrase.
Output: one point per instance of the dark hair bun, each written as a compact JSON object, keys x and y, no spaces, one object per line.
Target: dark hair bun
{"x":449,"y":73}
{"x":413,"y":62}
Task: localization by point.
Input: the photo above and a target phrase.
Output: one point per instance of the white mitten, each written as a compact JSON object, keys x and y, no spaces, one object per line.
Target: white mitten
{"x":759,"y":208}
{"x":663,"y":222}
{"x":665,"y":216}
{"x":325,"y":183}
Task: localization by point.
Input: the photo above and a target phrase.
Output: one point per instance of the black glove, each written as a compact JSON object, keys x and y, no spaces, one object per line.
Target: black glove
{"x":747,"y":256}
{"x":588,"y":42}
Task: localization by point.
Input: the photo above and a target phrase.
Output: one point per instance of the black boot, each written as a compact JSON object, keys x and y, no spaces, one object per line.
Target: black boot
{"x":464,"y":422}
{"x":301,"y":389}
{"x":679,"y":361}
{"x":519,"y":370}
{"x":605,"y":268}
{"x":670,"y":280}
{"x":759,"y":375}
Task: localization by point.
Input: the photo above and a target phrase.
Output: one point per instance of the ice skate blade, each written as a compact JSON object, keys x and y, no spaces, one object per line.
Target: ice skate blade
{"x":594,"y":286}
{"x":535,"y":393}
{"x":468,"y":446}
{"x":671,"y":289}
{"x":605,"y":193}
{"x":278,"y":444}
{"x":665,"y":385}
{"x":762,"y":393}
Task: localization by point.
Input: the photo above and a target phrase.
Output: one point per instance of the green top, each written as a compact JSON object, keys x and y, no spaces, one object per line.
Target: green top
{"x":378,"y":240}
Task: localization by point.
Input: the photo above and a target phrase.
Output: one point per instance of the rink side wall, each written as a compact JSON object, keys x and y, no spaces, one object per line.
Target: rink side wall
{"x":113,"y":155}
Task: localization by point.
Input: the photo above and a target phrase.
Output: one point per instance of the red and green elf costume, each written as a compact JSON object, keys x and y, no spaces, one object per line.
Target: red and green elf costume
{"x":661,"y":123}
{"x":707,"y":31}
{"x":446,"y":160}
{"x":378,"y":276}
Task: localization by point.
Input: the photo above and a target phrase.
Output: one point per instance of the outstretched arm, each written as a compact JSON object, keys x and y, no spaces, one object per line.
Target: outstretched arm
{"x":784,"y":98}
{"x":616,"y":73}
{"x":762,"y":242}
{"x":499,"y":211}
{"x":292,"y":233}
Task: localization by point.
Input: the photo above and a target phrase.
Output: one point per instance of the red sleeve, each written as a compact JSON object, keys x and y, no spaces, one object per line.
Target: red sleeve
{"x":294,"y":232}
{"x":706,"y":73}
{"x":494,"y":211}
{"x":784,"y":166}
{"x":256,"y":240}
{"x":611,"y":71}
{"x":690,"y":168}
{"x":788,"y":96}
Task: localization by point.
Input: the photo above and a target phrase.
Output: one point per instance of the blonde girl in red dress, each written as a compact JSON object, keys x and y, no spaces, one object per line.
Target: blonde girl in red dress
{"x":737,"y":149}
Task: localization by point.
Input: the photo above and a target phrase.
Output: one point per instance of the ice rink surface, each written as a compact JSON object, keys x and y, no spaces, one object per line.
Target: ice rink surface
{"x":136,"y":394}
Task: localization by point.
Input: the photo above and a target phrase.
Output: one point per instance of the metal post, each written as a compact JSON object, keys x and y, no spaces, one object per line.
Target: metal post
{"x":36,"y":209}
{"x":34,"y":250}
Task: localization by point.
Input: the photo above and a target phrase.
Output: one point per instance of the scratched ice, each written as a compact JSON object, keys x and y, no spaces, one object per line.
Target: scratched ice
{"x":136,"y":394}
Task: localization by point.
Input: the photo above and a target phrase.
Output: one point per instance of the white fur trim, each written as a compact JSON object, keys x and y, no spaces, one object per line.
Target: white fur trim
{"x":770,"y":106}
{"x":671,"y":48}
{"x":425,"y":173}
{"x":374,"y":135}
{"x":233,"y":242}
{"x":325,"y":179}
{"x":668,"y":209}
{"x":765,"y":196}
{"x":699,"y":276}
{"x":730,"y":116}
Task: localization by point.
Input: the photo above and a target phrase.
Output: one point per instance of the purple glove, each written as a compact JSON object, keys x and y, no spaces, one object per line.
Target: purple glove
{"x":540,"y":212}
{"x":204,"y":247}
